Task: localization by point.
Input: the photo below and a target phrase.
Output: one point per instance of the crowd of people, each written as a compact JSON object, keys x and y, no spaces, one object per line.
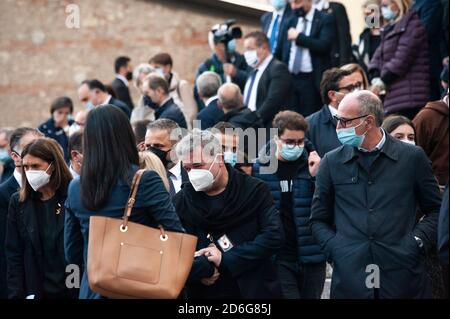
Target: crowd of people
{"x":302,"y":152}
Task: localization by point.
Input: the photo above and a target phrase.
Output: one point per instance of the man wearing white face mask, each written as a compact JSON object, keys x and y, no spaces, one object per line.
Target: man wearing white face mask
{"x":268,"y":88}
{"x":34,"y":242}
{"x":234,"y":218}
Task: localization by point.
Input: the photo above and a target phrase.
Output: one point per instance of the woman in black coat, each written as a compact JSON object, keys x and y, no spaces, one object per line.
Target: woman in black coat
{"x":36,"y":268}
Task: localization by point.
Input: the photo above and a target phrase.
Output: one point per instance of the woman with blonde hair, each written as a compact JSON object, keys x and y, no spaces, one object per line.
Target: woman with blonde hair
{"x":149,"y":161}
{"x":401,"y":62}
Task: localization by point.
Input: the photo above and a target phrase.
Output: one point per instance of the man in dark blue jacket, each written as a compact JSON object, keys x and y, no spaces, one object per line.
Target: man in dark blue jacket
{"x":208,"y":83}
{"x":365,"y":203}
{"x":18,"y":140}
{"x":156,"y":90}
{"x":335,"y":84}
{"x":307,"y":40}
{"x":98,"y":95}
{"x":300,"y":263}
{"x":235,"y":220}
{"x":272,"y":23}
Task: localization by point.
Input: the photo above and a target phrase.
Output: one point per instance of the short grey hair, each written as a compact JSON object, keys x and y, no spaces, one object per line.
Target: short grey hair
{"x":168,"y":125}
{"x":370,"y":104}
{"x":228,"y":101}
{"x":205,"y":139}
{"x":144,"y":68}
{"x":208,"y":83}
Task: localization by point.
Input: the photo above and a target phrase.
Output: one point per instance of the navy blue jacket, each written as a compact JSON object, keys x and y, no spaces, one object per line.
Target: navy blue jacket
{"x":153,"y":206}
{"x":210,"y":115}
{"x":362,"y":218}
{"x":7,"y":189}
{"x":319,"y":43}
{"x":443,"y":230}
{"x":322,"y":131}
{"x":171,"y":111}
{"x":308,"y":251}
{"x":121,"y":105}
{"x":266,"y":20}
{"x":49,"y":130}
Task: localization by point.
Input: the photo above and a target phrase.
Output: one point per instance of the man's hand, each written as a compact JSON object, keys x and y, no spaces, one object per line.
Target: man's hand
{"x":213,"y":254}
{"x":292,"y":34}
{"x":229,"y":69}
{"x":211,"y":280}
{"x":313,"y":163}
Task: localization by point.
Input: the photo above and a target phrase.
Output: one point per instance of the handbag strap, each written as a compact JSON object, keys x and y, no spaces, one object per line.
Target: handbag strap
{"x":131,"y":198}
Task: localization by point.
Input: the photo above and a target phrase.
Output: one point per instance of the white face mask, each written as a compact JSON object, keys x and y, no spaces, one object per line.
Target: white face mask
{"x":202,"y":179}
{"x":38,"y":178}
{"x":408,"y":141}
{"x":251,"y":57}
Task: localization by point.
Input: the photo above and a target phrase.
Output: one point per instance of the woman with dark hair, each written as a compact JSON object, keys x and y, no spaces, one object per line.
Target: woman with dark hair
{"x":401,"y":128}
{"x":34,"y":238}
{"x":57,"y":127}
{"x":110,"y":160}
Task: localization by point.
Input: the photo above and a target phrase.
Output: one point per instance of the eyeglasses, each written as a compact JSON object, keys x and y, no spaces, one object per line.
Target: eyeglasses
{"x":345,"y":121}
{"x":351,"y":87}
{"x":292,"y":143}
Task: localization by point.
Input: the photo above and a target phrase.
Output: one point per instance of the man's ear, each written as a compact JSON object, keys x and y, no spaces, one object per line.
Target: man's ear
{"x":331,"y":95}
{"x":219,"y":105}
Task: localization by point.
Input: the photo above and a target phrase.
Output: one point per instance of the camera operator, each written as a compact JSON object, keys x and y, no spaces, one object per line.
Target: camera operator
{"x":225,"y":60}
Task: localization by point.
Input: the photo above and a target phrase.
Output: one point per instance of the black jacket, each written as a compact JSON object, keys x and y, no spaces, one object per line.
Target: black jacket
{"x":58,"y":134}
{"x":122,"y":93}
{"x":210,"y":115}
{"x":121,"y":105}
{"x":322,"y":131}
{"x":274,"y":91}
{"x":443,"y":230}
{"x":266,"y":20}
{"x":6,"y":190}
{"x":363,"y":218}
{"x":243,"y":118}
{"x":319,"y":43}
{"x":171,"y":111}
{"x":24,"y":250}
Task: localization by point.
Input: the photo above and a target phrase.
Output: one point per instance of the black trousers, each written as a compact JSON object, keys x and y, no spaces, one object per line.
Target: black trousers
{"x":306,"y":96}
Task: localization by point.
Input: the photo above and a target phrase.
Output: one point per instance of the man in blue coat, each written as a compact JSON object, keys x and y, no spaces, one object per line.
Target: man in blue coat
{"x":300,"y":263}
{"x":364,"y":207}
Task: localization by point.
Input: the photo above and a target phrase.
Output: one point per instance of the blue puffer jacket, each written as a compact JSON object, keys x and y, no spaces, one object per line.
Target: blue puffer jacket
{"x":309,"y":251}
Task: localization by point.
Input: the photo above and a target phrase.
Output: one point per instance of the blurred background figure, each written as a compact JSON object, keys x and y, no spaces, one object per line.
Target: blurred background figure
{"x":142,"y":111}
{"x":6,"y":162}
{"x":400,"y":127}
{"x":124,"y":74}
{"x":139,"y":130}
{"x":57,"y":127}
{"x":76,"y":153}
{"x":273,"y":22}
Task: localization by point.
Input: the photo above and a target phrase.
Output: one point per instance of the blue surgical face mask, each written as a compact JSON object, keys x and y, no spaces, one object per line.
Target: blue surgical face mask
{"x":230,"y":158}
{"x":290,"y":153}
{"x":388,"y":14}
{"x":4,"y":155}
{"x":89,"y":105}
{"x":348,"y":136}
{"x":278,"y":4}
{"x":232,"y":46}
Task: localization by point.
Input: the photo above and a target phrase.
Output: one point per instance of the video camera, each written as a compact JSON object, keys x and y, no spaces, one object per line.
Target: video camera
{"x":224,"y":33}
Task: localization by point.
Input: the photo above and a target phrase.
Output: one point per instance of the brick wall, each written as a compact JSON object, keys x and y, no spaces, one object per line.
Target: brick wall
{"x":42,"y":59}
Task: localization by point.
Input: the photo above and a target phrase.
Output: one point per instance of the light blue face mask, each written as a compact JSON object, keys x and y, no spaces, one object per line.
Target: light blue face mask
{"x":348,"y":136}
{"x":89,"y":105}
{"x":4,"y":155}
{"x":278,"y":4}
{"x":290,"y":153}
{"x":232,"y":46}
{"x":230,"y":158}
{"x":388,"y":14}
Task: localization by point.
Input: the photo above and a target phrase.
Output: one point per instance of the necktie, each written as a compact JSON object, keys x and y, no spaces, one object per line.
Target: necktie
{"x":172,"y":191}
{"x":274,"y":34}
{"x":250,"y":88}
{"x":298,"y":53}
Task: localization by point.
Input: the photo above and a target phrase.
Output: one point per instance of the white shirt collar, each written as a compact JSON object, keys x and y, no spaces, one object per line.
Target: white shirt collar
{"x":379,"y":146}
{"x":18,"y":177}
{"x":310,"y":15}
{"x":107,"y":99}
{"x":208,"y":101}
{"x":333,"y":110}
{"x":176,"y":170}
{"x":322,"y":4}
{"x":72,"y":171}
{"x":262,"y":67}
{"x":122,"y":78}
{"x":280,"y":12}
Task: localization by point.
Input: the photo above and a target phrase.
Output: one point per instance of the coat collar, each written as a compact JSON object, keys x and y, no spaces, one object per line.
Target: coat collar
{"x":389,"y":149}
{"x":325,"y":115}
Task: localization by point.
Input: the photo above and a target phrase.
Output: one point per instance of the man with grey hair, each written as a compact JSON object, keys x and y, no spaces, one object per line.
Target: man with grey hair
{"x":161,"y":138}
{"x":234,"y":217}
{"x":141,"y":111}
{"x":364,"y":207}
{"x":236,"y":113}
{"x":208,"y":83}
